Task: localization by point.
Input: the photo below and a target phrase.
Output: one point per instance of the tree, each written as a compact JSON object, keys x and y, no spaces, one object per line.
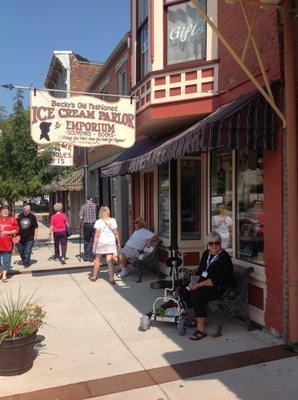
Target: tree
{"x":23,"y":171}
{"x":2,"y":113}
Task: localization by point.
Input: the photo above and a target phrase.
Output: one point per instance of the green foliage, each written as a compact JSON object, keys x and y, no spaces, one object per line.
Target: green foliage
{"x":19,"y":316}
{"x":2,"y":113}
{"x":40,"y":208}
{"x":23,"y":171}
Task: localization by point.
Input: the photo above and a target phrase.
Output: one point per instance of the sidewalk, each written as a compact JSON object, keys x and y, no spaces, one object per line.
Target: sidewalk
{"x":93,"y":349}
{"x":43,"y":250}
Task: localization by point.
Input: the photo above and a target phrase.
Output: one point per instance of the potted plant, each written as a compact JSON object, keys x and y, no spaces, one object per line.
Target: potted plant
{"x":20,"y":320}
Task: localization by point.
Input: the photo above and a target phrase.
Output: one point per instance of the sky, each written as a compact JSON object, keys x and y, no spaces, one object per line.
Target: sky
{"x":30,"y":30}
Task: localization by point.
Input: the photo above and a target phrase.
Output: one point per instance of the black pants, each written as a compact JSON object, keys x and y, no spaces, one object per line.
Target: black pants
{"x":60,"y":239}
{"x":88,"y":232}
{"x":199,"y":299}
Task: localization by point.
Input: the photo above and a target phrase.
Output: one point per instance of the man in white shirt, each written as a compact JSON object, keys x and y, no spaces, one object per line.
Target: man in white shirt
{"x":140,"y":239}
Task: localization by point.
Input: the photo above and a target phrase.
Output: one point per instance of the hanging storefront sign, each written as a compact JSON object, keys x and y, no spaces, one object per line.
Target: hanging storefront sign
{"x":83,"y":121}
{"x":62,"y":154}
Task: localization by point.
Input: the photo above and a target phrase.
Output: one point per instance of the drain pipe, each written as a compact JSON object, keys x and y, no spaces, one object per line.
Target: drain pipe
{"x":291,"y":298}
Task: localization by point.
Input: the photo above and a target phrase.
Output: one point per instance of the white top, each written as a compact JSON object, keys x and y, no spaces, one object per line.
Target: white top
{"x":105,"y":228}
{"x":139,"y":238}
{"x":222,"y":225}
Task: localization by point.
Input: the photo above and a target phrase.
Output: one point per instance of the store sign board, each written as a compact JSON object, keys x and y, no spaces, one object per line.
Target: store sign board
{"x":62,"y":154}
{"x":83,"y":121}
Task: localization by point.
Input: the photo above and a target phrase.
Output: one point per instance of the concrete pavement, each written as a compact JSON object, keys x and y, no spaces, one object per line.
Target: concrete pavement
{"x":93,"y":347}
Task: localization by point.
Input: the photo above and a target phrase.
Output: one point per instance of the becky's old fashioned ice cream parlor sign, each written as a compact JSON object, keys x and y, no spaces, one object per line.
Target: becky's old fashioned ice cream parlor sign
{"x":83,"y":121}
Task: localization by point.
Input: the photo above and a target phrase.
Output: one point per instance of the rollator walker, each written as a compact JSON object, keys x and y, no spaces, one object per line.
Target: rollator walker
{"x":170,"y":301}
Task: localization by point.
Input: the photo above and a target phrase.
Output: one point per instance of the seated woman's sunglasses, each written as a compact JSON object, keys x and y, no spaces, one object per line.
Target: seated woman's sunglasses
{"x":213,"y":243}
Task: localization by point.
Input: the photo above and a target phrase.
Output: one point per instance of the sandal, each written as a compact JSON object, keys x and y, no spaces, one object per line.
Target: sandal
{"x":198,"y":335}
{"x":92,"y":278}
{"x":192,"y":323}
{"x":4,"y":280}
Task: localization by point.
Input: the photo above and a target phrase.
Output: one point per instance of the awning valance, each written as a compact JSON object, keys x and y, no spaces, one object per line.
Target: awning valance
{"x":245,"y":123}
{"x":73,"y":182}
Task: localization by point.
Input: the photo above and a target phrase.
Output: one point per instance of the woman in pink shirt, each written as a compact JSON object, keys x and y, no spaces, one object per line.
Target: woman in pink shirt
{"x":59,"y":222}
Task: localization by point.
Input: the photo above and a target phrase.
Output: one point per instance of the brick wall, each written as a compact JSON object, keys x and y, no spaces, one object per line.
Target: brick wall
{"x":81,"y":74}
{"x":111,"y":77}
{"x":232,"y":24}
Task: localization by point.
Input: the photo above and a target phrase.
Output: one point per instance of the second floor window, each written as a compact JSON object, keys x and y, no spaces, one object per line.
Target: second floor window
{"x":143,"y":38}
{"x":186,"y":33}
{"x":122,"y":81}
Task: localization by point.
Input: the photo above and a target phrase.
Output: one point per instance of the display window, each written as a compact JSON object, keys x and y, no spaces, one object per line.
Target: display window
{"x":221,"y":167}
{"x":190,"y":174}
{"x":249,"y":206}
{"x":164,"y":200}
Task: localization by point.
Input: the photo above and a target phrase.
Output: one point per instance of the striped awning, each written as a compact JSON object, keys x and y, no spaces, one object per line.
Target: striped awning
{"x":73,"y":182}
{"x":245,"y":123}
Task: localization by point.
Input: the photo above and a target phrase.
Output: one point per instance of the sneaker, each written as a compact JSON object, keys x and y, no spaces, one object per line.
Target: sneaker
{"x":123,"y":273}
{"x":57,"y":259}
{"x":63,"y":261}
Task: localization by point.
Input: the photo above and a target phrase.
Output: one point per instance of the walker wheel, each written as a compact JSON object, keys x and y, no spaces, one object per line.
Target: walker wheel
{"x":182,"y":323}
{"x":144,"y":323}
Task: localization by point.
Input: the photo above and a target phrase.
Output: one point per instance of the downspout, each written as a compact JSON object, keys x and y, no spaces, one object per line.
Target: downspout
{"x":291,"y":158}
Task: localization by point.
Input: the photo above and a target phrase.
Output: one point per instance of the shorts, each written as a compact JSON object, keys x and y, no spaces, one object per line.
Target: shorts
{"x":130,"y":252}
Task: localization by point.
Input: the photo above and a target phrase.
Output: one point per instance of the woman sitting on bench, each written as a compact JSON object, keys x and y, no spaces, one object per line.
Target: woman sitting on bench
{"x":215,"y":272}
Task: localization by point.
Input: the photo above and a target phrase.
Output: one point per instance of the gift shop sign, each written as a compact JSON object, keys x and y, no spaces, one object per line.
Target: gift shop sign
{"x":83,"y":121}
{"x":62,"y":154}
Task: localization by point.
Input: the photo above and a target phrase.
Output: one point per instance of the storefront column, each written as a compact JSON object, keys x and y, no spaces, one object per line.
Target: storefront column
{"x":291,"y":275}
{"x":173,"y":208}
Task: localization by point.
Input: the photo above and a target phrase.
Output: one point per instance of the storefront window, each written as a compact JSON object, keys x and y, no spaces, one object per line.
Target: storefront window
{"x":186,"y":33}
{"x":221,"y":196}
{"x":164,"y":200}
{"x":190,"y":199}
{"x":113,"y":193}
{"x":249,"y":211}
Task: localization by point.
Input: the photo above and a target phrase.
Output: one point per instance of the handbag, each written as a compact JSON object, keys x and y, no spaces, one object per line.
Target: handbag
{"x":68,"y":230}
{"x":116,"y":240}
{"x":16,"y":239}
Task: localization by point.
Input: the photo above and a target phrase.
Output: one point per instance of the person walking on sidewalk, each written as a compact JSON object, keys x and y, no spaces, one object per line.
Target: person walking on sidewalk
{"x":88,"y":214}
{"x":58,"y":226}
{"x":8,"y":228}
{"x":106,"y":241}
{"x":28,"y":228}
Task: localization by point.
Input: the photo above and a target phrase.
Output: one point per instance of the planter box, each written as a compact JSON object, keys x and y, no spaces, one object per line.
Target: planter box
{"x":17,"y":354}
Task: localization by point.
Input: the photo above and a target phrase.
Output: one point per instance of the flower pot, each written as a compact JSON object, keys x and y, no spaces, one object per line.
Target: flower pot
{"x":16,"y":354}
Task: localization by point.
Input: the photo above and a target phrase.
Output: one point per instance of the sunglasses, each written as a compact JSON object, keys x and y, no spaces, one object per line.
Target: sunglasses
{"x":213,"y":243}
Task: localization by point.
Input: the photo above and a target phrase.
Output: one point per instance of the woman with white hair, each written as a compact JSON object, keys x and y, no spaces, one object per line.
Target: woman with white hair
{"x":106,"y":241}
{"x":58,"y":227}
{"x":215,"y":272}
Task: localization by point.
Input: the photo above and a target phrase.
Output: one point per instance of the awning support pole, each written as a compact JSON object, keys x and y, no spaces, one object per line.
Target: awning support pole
{"x":258,"y":54}
{"x":201,"y":10}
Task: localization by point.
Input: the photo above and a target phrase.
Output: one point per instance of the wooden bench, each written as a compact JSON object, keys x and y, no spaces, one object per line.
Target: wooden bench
{"x":149,"y":262}
{"x":234,"y":300}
